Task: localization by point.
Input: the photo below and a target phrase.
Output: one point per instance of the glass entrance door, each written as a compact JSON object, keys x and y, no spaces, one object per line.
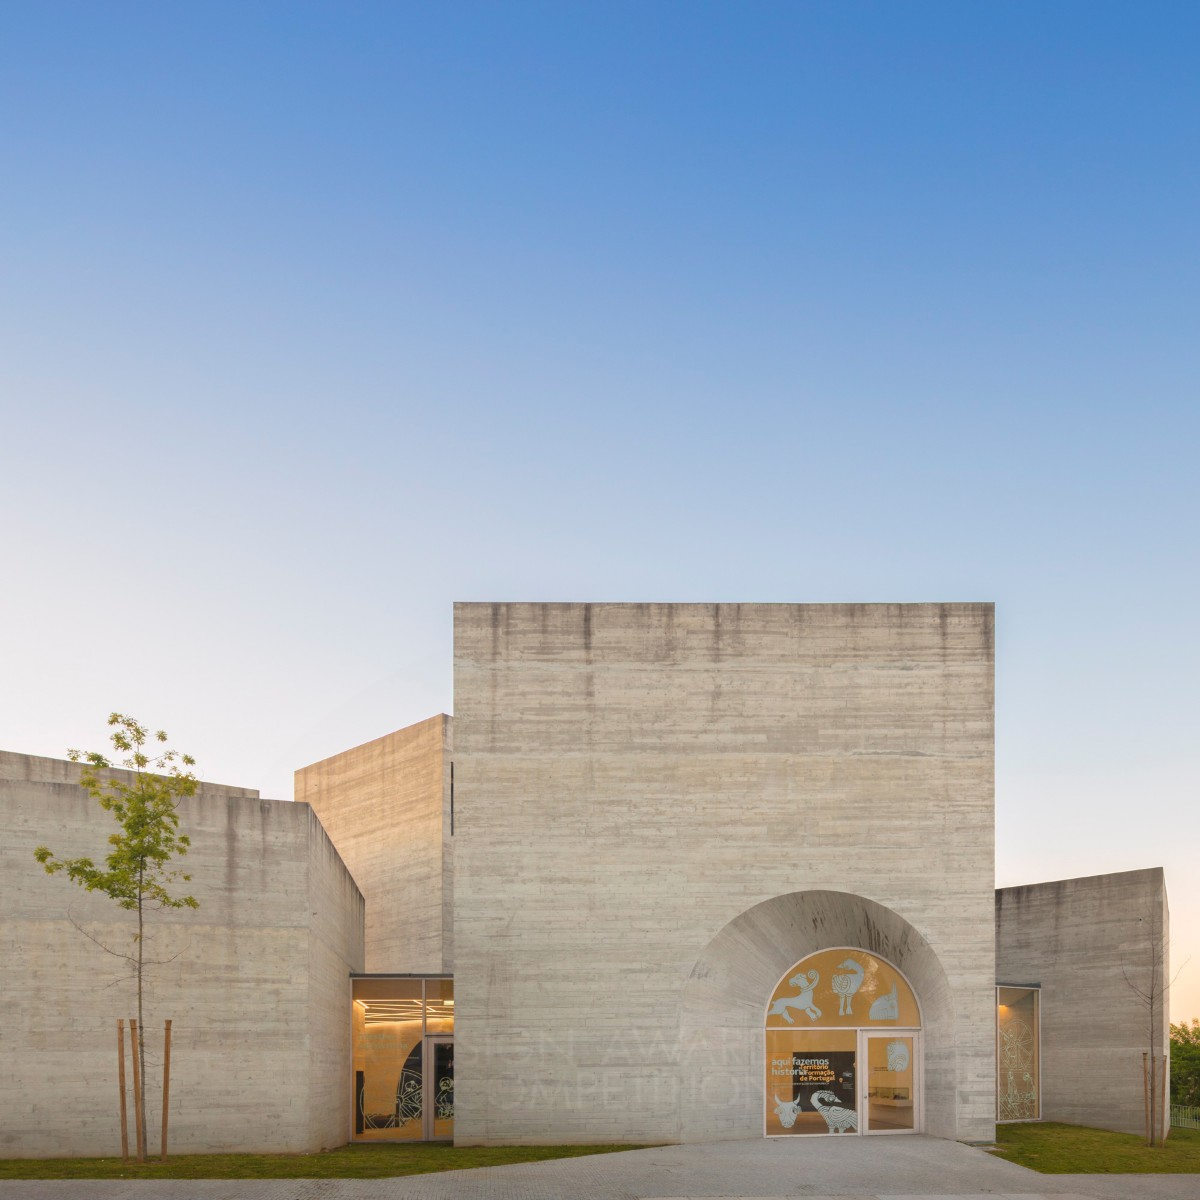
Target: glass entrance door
{"x":439,"y":1089}
{"x":890,"y":1083}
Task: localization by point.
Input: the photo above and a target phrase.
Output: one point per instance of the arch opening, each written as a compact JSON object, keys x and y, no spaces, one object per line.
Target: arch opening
{"x":723,"y":1081}
{"x":834,"y":1069}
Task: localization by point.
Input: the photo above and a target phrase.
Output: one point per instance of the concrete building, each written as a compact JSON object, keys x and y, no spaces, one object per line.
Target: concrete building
{"x":1096,"y":950}
{"x":254,"y":981}
{"x":671,"y":873}
{"x":661,"y":809}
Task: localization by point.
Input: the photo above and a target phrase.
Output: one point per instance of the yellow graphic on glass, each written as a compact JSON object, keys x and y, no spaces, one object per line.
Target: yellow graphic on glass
{"x":811,"y":1081}
{"x":843,"y":988}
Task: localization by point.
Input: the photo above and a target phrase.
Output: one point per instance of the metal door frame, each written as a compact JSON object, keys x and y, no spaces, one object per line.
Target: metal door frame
{"x":864,"y":1073}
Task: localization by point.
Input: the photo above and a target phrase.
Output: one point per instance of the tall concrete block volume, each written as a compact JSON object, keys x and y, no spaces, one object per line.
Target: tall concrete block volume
{"x":658,"y":808}
{"x":256,"y":981}
{"x":1097,"y":947}
{"x":387,"y":807}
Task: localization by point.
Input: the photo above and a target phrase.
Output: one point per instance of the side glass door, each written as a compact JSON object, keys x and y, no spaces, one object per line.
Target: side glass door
{"x":890,"y":1082}
{"x":439,"y":1089}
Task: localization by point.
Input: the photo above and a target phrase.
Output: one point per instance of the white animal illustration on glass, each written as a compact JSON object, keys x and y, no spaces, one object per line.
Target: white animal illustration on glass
{"x":847,"y":984}
{"x":897,"y":1055}
{"x":787,"y":1111}
{"x":803,"y":999}
{"x":837,"y":1118}
{"x":886,"y":1007}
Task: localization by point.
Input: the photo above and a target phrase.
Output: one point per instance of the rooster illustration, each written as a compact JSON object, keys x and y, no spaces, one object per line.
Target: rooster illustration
{"x":846,"y":985}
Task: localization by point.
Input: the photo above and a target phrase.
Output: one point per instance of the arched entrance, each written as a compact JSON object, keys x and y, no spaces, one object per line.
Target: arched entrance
{"x":723,"y":1090}
{"x":843,"y":1049}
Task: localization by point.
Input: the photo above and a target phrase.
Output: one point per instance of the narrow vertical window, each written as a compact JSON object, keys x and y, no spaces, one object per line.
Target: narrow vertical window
{"x":1018,"y":1054}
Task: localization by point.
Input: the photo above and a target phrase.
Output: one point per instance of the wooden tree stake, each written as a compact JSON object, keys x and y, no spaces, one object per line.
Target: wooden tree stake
{"x":166,"y":1083}
{"x":1166,"y":1115}
{"x":121,"y":1085}
{"x":1146,"y":1091}
{"x":137,"y":1091}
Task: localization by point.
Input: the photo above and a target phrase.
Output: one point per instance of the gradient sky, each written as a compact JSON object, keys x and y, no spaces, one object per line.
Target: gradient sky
{"x":318,"y":317}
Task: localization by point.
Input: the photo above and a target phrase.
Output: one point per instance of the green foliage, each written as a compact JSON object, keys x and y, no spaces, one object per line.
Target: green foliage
{"x":1057,"y":1149}
{"x":137,"y":872}
{"x":137,"y":868}
{"x":350,"y":1162}
{"x":1185,"y":1063}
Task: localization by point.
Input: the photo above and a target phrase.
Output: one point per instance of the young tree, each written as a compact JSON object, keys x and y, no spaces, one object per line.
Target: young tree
{"x":1149,"y":983}
{"x":1185,"y":1063}
{"x":137,"y":871}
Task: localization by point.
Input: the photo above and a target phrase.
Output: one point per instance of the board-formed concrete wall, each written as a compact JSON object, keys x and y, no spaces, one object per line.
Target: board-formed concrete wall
{"x":632,"y":779}
{"x":257,"y":986}
{"x":386,"y":805}
{"x":1092,"y":945}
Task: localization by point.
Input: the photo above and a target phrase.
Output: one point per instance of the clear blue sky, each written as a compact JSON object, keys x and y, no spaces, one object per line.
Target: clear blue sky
{"x":317,"y":317}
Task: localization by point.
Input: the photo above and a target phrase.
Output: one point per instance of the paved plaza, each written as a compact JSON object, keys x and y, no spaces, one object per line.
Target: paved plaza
{"x":851,"y":1168}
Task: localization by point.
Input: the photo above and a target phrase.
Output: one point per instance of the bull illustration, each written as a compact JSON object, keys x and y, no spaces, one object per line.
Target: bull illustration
{"x":787,"y":1111}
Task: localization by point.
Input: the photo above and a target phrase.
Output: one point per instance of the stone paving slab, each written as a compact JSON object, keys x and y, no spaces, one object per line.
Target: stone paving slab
{"x":775,"y":1169}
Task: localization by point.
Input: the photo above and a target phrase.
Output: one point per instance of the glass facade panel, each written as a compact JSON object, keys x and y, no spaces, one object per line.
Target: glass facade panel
{"x":812,"y":1081}
{"x":439,"y":1006}
{"x":388,"y":1037}
{"x":1018,"y":1054}
{"x":403,"y":1059}
{"x":891,"y":1090}
{"x":441,"y":1077}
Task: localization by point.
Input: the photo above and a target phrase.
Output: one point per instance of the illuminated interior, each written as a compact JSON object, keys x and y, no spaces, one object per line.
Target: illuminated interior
{"x":403,"y":1059}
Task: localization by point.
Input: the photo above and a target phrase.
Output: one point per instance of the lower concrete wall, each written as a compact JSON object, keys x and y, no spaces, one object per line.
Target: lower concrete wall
{"x":255,"y":981}
{"x":1093,"y":945}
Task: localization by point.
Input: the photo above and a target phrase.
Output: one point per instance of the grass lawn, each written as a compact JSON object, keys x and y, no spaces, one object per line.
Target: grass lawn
{"x":349,"y":1162}
{"x":1056,"y":1149}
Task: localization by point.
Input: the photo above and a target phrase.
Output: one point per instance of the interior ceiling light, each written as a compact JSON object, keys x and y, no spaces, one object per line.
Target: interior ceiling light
{"x":378,"y":1011}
